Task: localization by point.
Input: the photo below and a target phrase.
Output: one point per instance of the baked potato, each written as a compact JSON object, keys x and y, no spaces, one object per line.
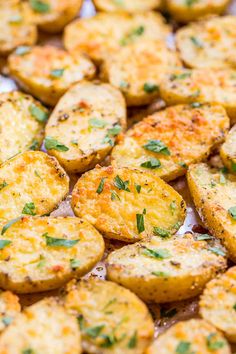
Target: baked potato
{"x":126,"y":5}
{"x":228,"y":150}
{"x":9,"y":308}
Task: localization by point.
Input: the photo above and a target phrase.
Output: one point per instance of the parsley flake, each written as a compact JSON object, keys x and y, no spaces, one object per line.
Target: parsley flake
{"x":53,"y":144}
{"x":4,"y":243}
{"x":232,"y":212}
{"x":120,"y":184}
{"x":161,"y":253}
{"x":148,"y":87}
{"x":9,"y":224}
{"x":3,"y":185}
{"x":157,"y":146}
{"x":59,"y":242}
{"x":56,"y":73}
{"x":152,"y":164}
{"x":158,"y":231}
{"x":29,"y":209}
{"x":101,"y":186}
{"x":39,"y":6}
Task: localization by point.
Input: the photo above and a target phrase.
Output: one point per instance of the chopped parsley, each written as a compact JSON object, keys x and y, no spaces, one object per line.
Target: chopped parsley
{"x":7,"y":320}
{"x":232,"y":212}
{"x":120,"y":184}
{"x":74,"y":263}
{"x":4,"y":243}
{"x":124,"y":84}
{"x":138,"y":188}
{"x":39,"y":114}
{"x":34,"y":145}
{"x":29,"y":209}
{"x":217,"y":251}
{"x":56,"y":73}
{"x":183,"y":348}
{"x":101,"y":186}
{"x":158,"y":231}
{"x":203,"y":237}
{"x":161,"y":253}
{"x":148,"y":87}
{"x":180,"y":76}
{"x":131,"y":36}
{"x":113,"y":132}
{"x":9,"y":224}
{"x":189,"y":3}
{"x":22,"y":50}
{"x":28,"y":351}
{"x":157,"y":146}
{"x":214,"y":344}
{"x":152,"y":164}
{"x":97,"y":123}
{"x":114,"y":196}
{"x":53,"y":144}
{"x":59,"y":242}
{"x":39,"y":6}
{"x":140,"y":222}
{"x":3,"y":185}
{"x":160,"y":274}
{"x":233,"y":166}
{"x":133,"y":341}
{"x":196,"y":42}
{"x":183,"y":164}
{"x":94,"y":332}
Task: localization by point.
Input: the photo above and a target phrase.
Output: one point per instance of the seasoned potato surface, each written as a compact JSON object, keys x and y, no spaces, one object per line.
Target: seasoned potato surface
{"x":127,"y":204}
{"x":85,"y":124}
{"x":126,"y":5}
{"x":174,"y":138}
{"x":47,"y":72}
{"x":112,"y":319}
{"x":228,"y":150}
{"x":214,"y":196}
{"x":31,"y":183}
{"x":9,"y":308}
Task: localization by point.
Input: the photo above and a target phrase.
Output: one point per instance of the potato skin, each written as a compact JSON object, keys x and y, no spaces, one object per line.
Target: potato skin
{"x":16,"y":27}
{"x":217,"y":304}
{"x":126,"y":5}
{"x":9,"y":308}
{"x":60,"y":13}
{"x":34,"y":71}
{"x":189,"y":133}
{"x":201,"y":86}
{"x":198,"y":333}
{"x":228,"y":150}
{"x":119,"y":312}
{"x":31,"y":177}
{"x":182,"y":275}
{"x":105,"y":33}
{"x":213,"y":197}
{"x":114,"y":212}
{"x":182,"y":12}
{"x":20,"y":130}
{"x":213,"y":45}
{"x":138,"y":69}
{"x":44,"y":327}
{"x":72,"y":124}
{"x":46,"y":267}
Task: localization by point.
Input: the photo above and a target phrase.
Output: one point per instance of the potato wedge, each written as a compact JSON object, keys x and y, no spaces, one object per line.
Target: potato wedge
{"x":43,"y":328}
{"x":112,"y":318}
{"x":53,"y":15}
{"x":16,"y":27}
{"x":193,"y":336}
{"x":208,"y":43}
{"x":9,"y":308}
{"x":138,"y":69}
{"x":190,"y":10}
{"x":228,"y":150}
{"x":214,"y":196}
{"x":31,"y":183}
{"x":201,"y":86}
{"x":84,"y":125}
{"x":105,"y":33}
{"x":126,"y":5}
{"x":58,"y":250}
{"x":218,"y":303}
{"x":127,"y":204}
{"x":48,"y":72}
{"x":176,"y":137}
{"x":165,"y":270}
{"x":21,"y":124}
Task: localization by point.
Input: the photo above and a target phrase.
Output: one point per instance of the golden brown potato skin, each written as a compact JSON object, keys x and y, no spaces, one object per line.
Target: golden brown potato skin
{"x":213,"y":194}
{"x":189,"y":133}
{"x":201,"y":86}
{"x":48,"y":72}
{"x":126,"y":5}
{"x":228,"y":150}
{"x":114,"y":210}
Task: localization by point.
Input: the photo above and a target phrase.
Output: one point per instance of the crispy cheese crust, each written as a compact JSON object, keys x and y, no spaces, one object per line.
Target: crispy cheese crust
{"x":188,"y":133}
{"x":9,"y":308}
{"x":20,"y":127}
{"x":228,"y":150}
{"x":87,"y":121}
{"x":208,"y":43}
{"x":31,"y":180}
{"x":138,"y":69}
{"x":218,"y":303}
{"x":165,"y":270}
{"x":105,"y":33}
{"x":58,"y":249}
{"x":47,"y":72}
{"x":16,"y":27}
{"x":126,"y":5}
{"x":214,"y":195}
{"x":193,"y":336}
{"x":127,"y":204}
{"x":43,"y":328}
{"x":112,"y":318}
{"x":201,"y":86}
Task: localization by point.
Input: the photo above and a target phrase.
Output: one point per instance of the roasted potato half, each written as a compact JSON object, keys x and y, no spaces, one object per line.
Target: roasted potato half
{"x":190,"y":10}
{"x":31,"y":183}
{"x":58,"y":250}
{"x":228,"y":150}
{"x":43,"y":328}
{"x":85,"y":124}
{"x":112,"y":319}
{"x":127,"y":204}
{"x":214,"y":196}
{"x":201,"y":86}
{"x":16,"y":27}
{"x":165,"y":270}
{"x":21,"y":124}
{"x":138,"y":69}
{"x":53,"y":15}
{"x":167,"y":142}
{"x":9,"y":308}
{"x":208,"y":43}
{"x":193,"y":336}
{"x":218,"y":303}
{"x":105,"y":33}
{"x":126,"y":5}
{"x":47,"y":72}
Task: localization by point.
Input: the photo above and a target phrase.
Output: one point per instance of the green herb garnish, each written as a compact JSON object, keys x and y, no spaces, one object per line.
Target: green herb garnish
{"x":101,"y":186}
{"x":183,"y":348}
{"x":157,"y":146}
{"x":161,"y":253}
{"x":29,"y":209}
{"x":133,"y":341}
{"x":3,"y":185}
{"x":148,"y":87}
{"x":97,"y":123}
{"x":59,"y":242}
{"x":22,"y":50}
{"x":120,"y":184}
{"x":74,"y":263}
{"x":217,"y":251}
{"x":152,"y":164}
{"x":56,"y":73}
{"x":214,"y":344}
{"x":158,"y":231}
{"x":138,"y":188}
{"x":232,"y":212}
{"x":39,"y":114}
{"x":4,"y":243}
{"x":53,"y":144}
{"x":39,"y":6}
{"x":9,"y":224}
